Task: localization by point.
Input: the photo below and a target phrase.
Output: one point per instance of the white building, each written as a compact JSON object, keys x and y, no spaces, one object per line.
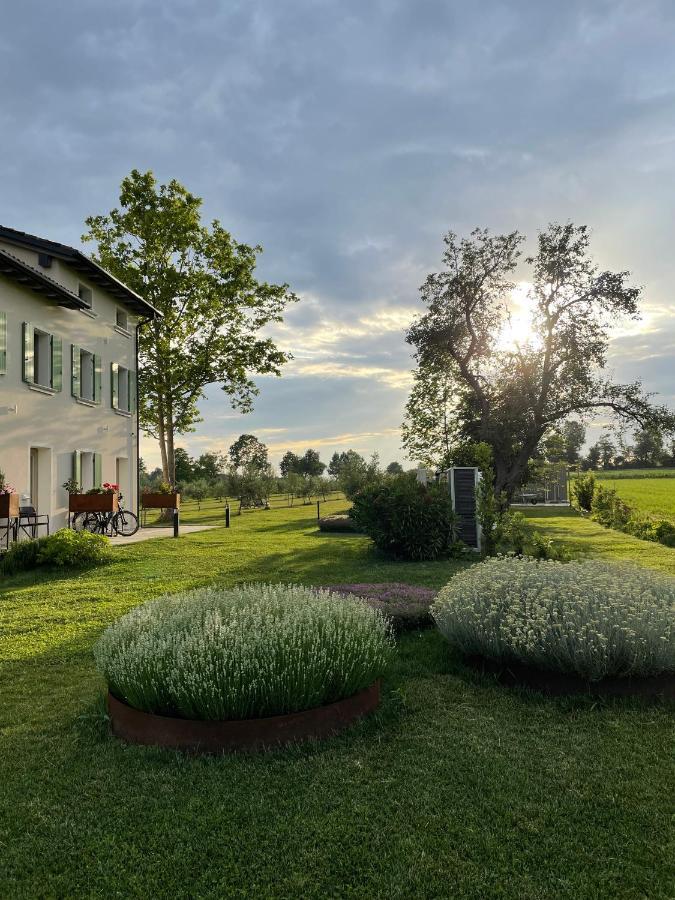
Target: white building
{"x":68,"y":361}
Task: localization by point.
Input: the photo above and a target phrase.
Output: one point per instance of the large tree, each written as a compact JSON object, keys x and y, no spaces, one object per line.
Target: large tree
{"x":203,"y":282}
{"x":512,"y":396}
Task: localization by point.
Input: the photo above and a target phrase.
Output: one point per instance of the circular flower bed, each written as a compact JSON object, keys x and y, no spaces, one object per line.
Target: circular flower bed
{"x":406,"y":605}
{"x":591,"y":619}
{"x":249,"y":652}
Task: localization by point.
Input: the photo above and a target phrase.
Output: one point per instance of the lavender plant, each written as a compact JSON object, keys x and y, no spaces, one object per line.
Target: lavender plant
{"x":251,"y":651}
{"x":593,"y":619}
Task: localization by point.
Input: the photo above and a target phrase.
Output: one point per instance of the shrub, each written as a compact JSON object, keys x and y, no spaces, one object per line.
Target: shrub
{"x":338,"y":523}
{"x":583,"y":488}
{"x":63,"y":549}
{"x":74,"y":548}
{"x":407,"y":605}
{"x":593,"y":619}
{"x":252,"y":651}
{"x":609,"y":509}
{"x":515,"y":532}
{"x":407,"y":520}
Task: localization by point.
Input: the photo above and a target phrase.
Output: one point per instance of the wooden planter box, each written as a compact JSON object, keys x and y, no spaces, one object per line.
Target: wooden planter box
{"x":160,"y":501}
{"x":9,"y":506}
{"x":92,"y":503}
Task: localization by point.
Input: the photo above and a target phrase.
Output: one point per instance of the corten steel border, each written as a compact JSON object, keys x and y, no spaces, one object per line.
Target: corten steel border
{"x":199,"y":736}
{"x":560,"y":684}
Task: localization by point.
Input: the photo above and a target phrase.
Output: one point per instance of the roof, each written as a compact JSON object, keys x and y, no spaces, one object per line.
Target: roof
{"x":37,"y":280}
{"x":17,"y":270}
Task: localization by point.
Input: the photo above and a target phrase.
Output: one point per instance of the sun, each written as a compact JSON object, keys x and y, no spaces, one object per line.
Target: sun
{"x":518,"y":330}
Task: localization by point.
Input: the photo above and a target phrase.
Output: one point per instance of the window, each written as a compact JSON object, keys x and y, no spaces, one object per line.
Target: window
{"x":85,"y":375}
{"x":85,"y":294}
{"x":122,"y":388}
{"x":122,"y":319}
{"x":42,"y":358}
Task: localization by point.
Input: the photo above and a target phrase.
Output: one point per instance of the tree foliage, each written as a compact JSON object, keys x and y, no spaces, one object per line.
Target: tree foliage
{"x":468,"y":387}
{"x":248,"y":453}
{"x":202,"y":280}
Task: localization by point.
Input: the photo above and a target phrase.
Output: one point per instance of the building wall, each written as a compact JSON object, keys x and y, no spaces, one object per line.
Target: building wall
{"x":57,"y":424}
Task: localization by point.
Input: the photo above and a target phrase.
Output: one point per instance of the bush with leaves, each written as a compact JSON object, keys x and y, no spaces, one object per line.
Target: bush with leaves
{"x":407,"y":520}
{"x":583,"y":489}
{"x":592,"y":619}
{"x":63,"y":549}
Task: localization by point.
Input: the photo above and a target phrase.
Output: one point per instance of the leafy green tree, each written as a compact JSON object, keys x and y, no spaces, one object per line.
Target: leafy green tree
{"x":197,"y":490}
{"x":648,"y":447}
{"x":574,"y":435}
{"x":394,"y":468}
{"x":289,"y":463}
{"x":607,"y":449}
{"x":210,"y":466}
{"x":511,"y":398}
{"x":247,"y":452}
{"x":554,"y":447}
{"x":334,"y":465}
{"x":213,"y":307}
{"x":184,"y":466}
{"x":310,"y":464}
{"x":593,"y":457}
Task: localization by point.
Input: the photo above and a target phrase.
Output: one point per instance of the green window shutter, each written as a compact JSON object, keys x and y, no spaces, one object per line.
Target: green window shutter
{"x":75,"y":380}
{"x":77,"y":467}
{"x":115,"y":385}
{"x":98,"y":469}
{"x":97,"y":378}
{"x":3,"y":343}
{"x":132,"y":391}
{"x":57,"y":363}
{"x":28,"y":353}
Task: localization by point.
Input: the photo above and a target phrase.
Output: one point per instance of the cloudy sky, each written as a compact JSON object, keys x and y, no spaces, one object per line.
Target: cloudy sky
{"x":346,"y":138}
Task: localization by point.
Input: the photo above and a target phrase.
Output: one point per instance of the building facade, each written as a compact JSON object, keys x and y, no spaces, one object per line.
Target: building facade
{"x":68,"y":362}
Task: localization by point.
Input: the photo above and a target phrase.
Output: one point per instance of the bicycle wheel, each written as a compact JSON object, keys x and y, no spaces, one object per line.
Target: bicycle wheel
{"x":85,"y":521}
{"x":125,"y":523}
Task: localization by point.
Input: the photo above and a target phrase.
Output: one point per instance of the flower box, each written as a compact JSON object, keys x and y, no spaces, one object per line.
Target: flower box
{"x":92,"y":503}
{"x":160,"y":501}
{"x":9,"y":506}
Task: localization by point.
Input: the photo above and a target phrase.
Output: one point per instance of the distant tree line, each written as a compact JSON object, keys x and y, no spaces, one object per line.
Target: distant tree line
{"x":245,"y":473}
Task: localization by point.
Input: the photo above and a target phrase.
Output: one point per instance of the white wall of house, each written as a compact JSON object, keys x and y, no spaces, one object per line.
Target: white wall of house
{"x":40,"y":428}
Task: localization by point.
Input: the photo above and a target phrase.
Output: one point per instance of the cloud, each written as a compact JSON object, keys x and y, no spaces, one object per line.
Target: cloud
{"x":347,"y":138}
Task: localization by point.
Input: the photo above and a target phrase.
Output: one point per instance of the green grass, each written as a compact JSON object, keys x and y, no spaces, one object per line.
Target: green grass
{"x":458,"y":788}
{"x":632,"y":474}
{"x":584,"y":537}
{"x":651,"y":496}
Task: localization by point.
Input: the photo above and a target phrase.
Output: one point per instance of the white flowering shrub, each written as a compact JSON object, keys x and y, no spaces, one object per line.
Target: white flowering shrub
{"x":593,"y":619}
{"x":251,"y":651}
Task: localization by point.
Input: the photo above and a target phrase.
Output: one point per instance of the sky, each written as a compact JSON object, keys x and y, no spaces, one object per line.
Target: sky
{"x":347,"y":138}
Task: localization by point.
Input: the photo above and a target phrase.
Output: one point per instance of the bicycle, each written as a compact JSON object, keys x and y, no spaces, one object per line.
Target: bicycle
{"x":123,"y":522}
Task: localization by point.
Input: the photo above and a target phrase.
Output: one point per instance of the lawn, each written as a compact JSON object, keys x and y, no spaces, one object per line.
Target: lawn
{"x":584,"y":537}
{"x":654,"y":496}
{"x":458,"y":788}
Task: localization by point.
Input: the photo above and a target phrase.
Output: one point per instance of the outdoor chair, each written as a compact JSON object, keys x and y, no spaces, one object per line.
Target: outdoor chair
{"x":29,"y":521}
{"x":7,"y":529}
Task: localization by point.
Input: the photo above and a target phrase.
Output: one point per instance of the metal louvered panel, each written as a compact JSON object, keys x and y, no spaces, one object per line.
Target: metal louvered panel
{"x":464,"y":497}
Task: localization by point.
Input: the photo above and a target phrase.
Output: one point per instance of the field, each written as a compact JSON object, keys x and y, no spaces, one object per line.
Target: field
{"x":653,"y":495}
{"x":457,"y":788}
